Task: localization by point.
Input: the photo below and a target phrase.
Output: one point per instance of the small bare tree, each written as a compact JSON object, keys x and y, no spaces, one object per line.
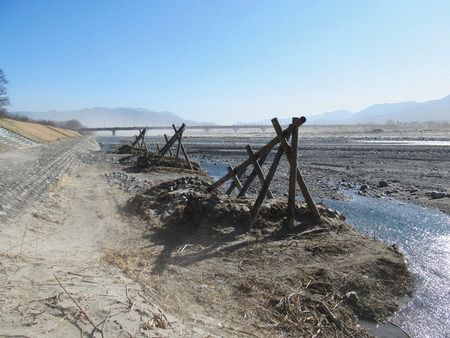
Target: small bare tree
{"x":4,"y":101}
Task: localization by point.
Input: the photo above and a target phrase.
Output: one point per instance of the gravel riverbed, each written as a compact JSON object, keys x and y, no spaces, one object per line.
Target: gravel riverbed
{"x":417,"y":173}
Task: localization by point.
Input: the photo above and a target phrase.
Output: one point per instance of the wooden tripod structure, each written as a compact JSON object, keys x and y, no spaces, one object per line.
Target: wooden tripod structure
{"x":167,"y":148}
{"x":139,"y":141}
{"x":258,"y":158}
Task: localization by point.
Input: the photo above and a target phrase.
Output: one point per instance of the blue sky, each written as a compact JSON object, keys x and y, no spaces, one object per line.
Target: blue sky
{"x":224,"y":61}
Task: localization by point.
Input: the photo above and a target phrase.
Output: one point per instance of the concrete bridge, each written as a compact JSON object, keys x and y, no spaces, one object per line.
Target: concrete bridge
{"x":236,"y":128}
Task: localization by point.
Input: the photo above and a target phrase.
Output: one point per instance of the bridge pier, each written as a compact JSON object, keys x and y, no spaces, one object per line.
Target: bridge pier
{"x":113,"y":131}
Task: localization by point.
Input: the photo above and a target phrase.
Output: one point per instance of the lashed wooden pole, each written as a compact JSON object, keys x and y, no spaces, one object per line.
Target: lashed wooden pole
{"x":292,"y":179}
{"x":138,"y":138}
{"x":183,"y":150}
{"x":167,"y":140}
{"x":234,"y":177}
{"x":172,"y":140}
{"x":257,"y":168}
{"x":263,"y":192}
{"x":261,"y":151}
{"x":232,"y":185}
{"x":301,"y":183}
{"x":179,"y":145}
{"x":253,"y":175}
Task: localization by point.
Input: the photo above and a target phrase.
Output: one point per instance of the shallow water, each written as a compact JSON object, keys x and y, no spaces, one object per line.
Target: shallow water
{"x":423,"y":235}
{"x":408,"y":143}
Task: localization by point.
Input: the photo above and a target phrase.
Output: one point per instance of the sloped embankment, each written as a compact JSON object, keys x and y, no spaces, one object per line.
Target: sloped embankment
{"x":37,"y":132}
{"x":199,"y":261}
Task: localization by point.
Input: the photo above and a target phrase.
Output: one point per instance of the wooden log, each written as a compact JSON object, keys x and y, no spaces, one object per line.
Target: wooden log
{"x":157,"y":147}
{"x":138,"y":138}
{"x":143,"y":144}
{"x":183,"y":150}
{"x":232,"y":185}
{"x":257,"y":167}
{"x":234,"y":177}
{"x":167,"y":140}
{"x":267,"y":148}
{"x":172,"y":140}
{"x":253,"y":175}
{"x":179,"y":145}
{"x":263,"y":192}
{"x":292,"y":179}
{"x":301,"y":183}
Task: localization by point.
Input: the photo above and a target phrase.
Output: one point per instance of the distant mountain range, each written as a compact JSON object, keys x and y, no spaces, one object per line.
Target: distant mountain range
{"x":113,"y":117}
{"x":434,"y":110}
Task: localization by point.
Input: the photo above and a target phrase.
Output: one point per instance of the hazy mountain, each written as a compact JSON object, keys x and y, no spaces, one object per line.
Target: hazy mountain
{"x":333,"y":116}
{"x":111,"y":117}
{"x":434,"y":110}
{"x":380,"y":109}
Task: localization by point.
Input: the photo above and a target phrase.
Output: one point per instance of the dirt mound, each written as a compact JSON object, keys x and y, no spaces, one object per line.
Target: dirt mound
{"x":126,"y":149}
{"x":316,"y":281}
{"x":186,"y":200}
{"x":141,"y":161}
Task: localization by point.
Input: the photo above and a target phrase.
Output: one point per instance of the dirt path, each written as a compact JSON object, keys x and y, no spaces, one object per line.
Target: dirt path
{"x":62,"y":236}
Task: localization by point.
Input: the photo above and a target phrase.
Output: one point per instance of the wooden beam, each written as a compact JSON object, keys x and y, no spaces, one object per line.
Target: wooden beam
{"x":138,"y":137}
{"x":292,"y":179}
{"x":263,"y":192}
{"x":267,"y":148}
{"x":257,"y":167}
{"x":234,"y":177}
{"x":301,"y":183}
{"x":179,"y":145}
{"x":172,"y":140}
{"x":183,"y":150}
{"x":167,"y":140}
{"x":253,"y":175}
{"x":232,"y":185}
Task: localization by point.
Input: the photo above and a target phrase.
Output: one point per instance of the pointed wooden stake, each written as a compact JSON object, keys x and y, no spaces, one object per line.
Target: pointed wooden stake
{"x":232,"y":185}
{"x":301,"y":183}
{"x":261,"y":151}
{"x":257,"y":168}
{"x":183,"y":150}
{"x":167,"y":140}
{"x":263,"y":192}
{"x":234,"y":177}
{"x":292,"y":180}
{"x":247,"y":184}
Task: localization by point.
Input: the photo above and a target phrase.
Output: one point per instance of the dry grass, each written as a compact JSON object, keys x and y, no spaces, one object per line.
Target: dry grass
{"x":131,"y":261}
{"x":37,"y":132}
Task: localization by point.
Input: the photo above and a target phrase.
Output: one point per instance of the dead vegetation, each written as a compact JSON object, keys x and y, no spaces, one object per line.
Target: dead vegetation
{"x":199,"y":260}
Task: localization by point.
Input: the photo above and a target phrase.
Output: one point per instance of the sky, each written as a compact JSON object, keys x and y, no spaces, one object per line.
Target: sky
{"x":224,"y":61}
